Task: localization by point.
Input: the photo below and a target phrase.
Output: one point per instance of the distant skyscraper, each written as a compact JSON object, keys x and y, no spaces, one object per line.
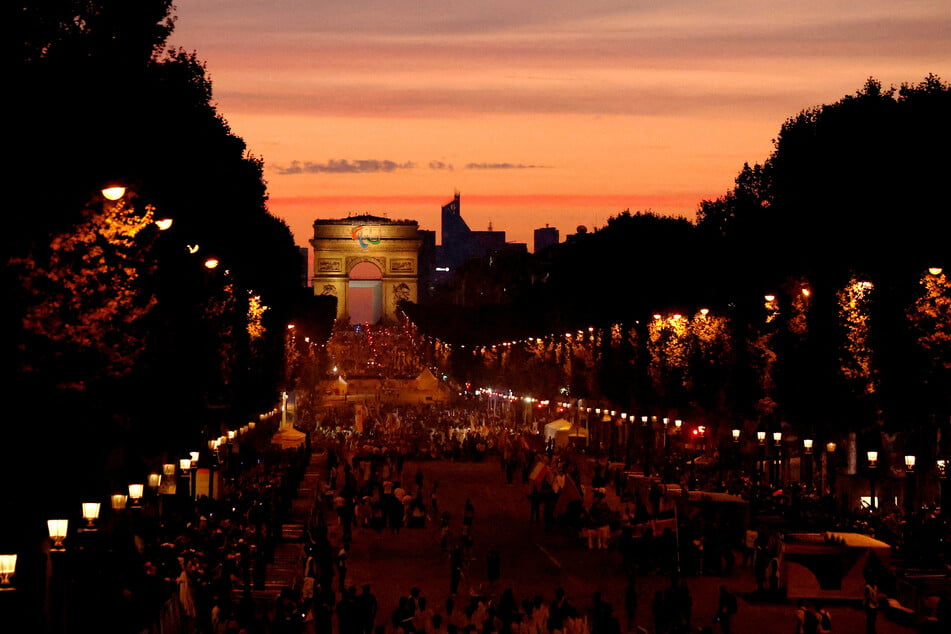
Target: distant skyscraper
{"x":545,"y":237}
{"x":454,"y":229}
{"x":459,"y":242}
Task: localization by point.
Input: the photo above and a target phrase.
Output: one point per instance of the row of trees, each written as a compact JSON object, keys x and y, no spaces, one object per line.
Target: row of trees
{"x":814,"y":270}
{"x":123,"y":347}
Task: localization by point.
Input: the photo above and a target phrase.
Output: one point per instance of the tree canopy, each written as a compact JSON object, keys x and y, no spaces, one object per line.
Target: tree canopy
{"x":116,"y":334}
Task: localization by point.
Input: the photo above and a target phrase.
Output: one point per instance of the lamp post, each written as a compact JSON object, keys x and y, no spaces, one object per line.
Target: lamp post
{"x":941,"y":468}
{"x":185,"y":466}
{"x":828,"y":467}
{"x":807,"y":459}
{"x":910,"y":484}
{"x":872,"y":472}
{"x":778,"y":462}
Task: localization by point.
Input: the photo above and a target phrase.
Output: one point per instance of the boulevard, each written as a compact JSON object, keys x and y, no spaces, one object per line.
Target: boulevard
{"x":536,"y":562}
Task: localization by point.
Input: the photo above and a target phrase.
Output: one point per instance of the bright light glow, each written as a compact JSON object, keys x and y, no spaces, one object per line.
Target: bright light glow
{"x":736,"y":434}
{"x":909,"y":462}
{"x":57,"y":530}
{"x":118,"y":501}
{"x":807,"y":444}
{"x":135,"y":491}
{"x":211,"y":263}
{"x":114,"y":192}
{"x":8,"y":565}
{"x":90,"y":511}
{"x":163,"y":224}
{"x":872,"y":458}
{"x":935,"y":270}
{"x":192,"y":248}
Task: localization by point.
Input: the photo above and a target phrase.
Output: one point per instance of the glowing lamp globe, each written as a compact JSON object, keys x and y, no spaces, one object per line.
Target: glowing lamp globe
{"x":8,"y":565}
{"x":90,"y":512}
{"x":57,"y":530}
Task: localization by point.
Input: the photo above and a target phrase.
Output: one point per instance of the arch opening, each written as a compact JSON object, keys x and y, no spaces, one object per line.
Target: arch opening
{"x":365,"y":293}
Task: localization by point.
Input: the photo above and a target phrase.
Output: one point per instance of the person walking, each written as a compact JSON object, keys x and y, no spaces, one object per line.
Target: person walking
{"x":825,"y":619}
{"x":870,"y":603}
{"x":342,"y":569}
{"x":726,"y":608}
{"x":807,"y":622}
{"x":749,"y":548}
{"x":367,"y":608}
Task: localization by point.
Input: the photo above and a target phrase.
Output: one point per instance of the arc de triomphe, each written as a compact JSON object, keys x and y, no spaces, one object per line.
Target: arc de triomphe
{"x":392,"y":246}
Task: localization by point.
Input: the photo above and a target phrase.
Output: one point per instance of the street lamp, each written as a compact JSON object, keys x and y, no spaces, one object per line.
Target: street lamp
{"x":119,"y":501}
{"x":136,"y":491}
{"x":778,"y":462}
{"x":113,"y":192}
{"x":910,"y":478}
{"x":807,"y":444}
{"x":57,"y":530}
{"x":8,"y":565}
{"x":872,"y":465}
{"x":90,"y":514}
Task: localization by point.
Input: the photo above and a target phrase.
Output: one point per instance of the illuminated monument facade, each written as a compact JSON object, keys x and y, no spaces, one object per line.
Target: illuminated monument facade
{"x":370,"y":259}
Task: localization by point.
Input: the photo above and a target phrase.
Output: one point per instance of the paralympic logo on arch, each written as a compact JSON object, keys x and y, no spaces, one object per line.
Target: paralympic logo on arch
{"x":364,"y":240}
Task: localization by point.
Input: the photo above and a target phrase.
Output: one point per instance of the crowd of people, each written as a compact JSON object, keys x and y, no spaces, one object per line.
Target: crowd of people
{"x":190,"y":564}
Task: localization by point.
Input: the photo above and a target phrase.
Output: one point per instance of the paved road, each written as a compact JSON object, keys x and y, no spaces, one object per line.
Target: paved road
{"x":535,"y":562}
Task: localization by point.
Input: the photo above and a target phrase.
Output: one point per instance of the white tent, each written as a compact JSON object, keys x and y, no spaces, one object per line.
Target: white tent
{"x":561,"y":429}
{"x":289,"y":438}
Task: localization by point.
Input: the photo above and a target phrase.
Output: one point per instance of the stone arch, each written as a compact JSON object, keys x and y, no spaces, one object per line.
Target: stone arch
{"x":345,"y":247}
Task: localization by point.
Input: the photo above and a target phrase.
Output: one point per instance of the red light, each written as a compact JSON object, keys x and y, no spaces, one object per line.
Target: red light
{"x":695,"y":432}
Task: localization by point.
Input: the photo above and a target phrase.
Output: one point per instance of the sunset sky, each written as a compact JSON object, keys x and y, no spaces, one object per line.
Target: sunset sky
{"x":563,"y":112}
